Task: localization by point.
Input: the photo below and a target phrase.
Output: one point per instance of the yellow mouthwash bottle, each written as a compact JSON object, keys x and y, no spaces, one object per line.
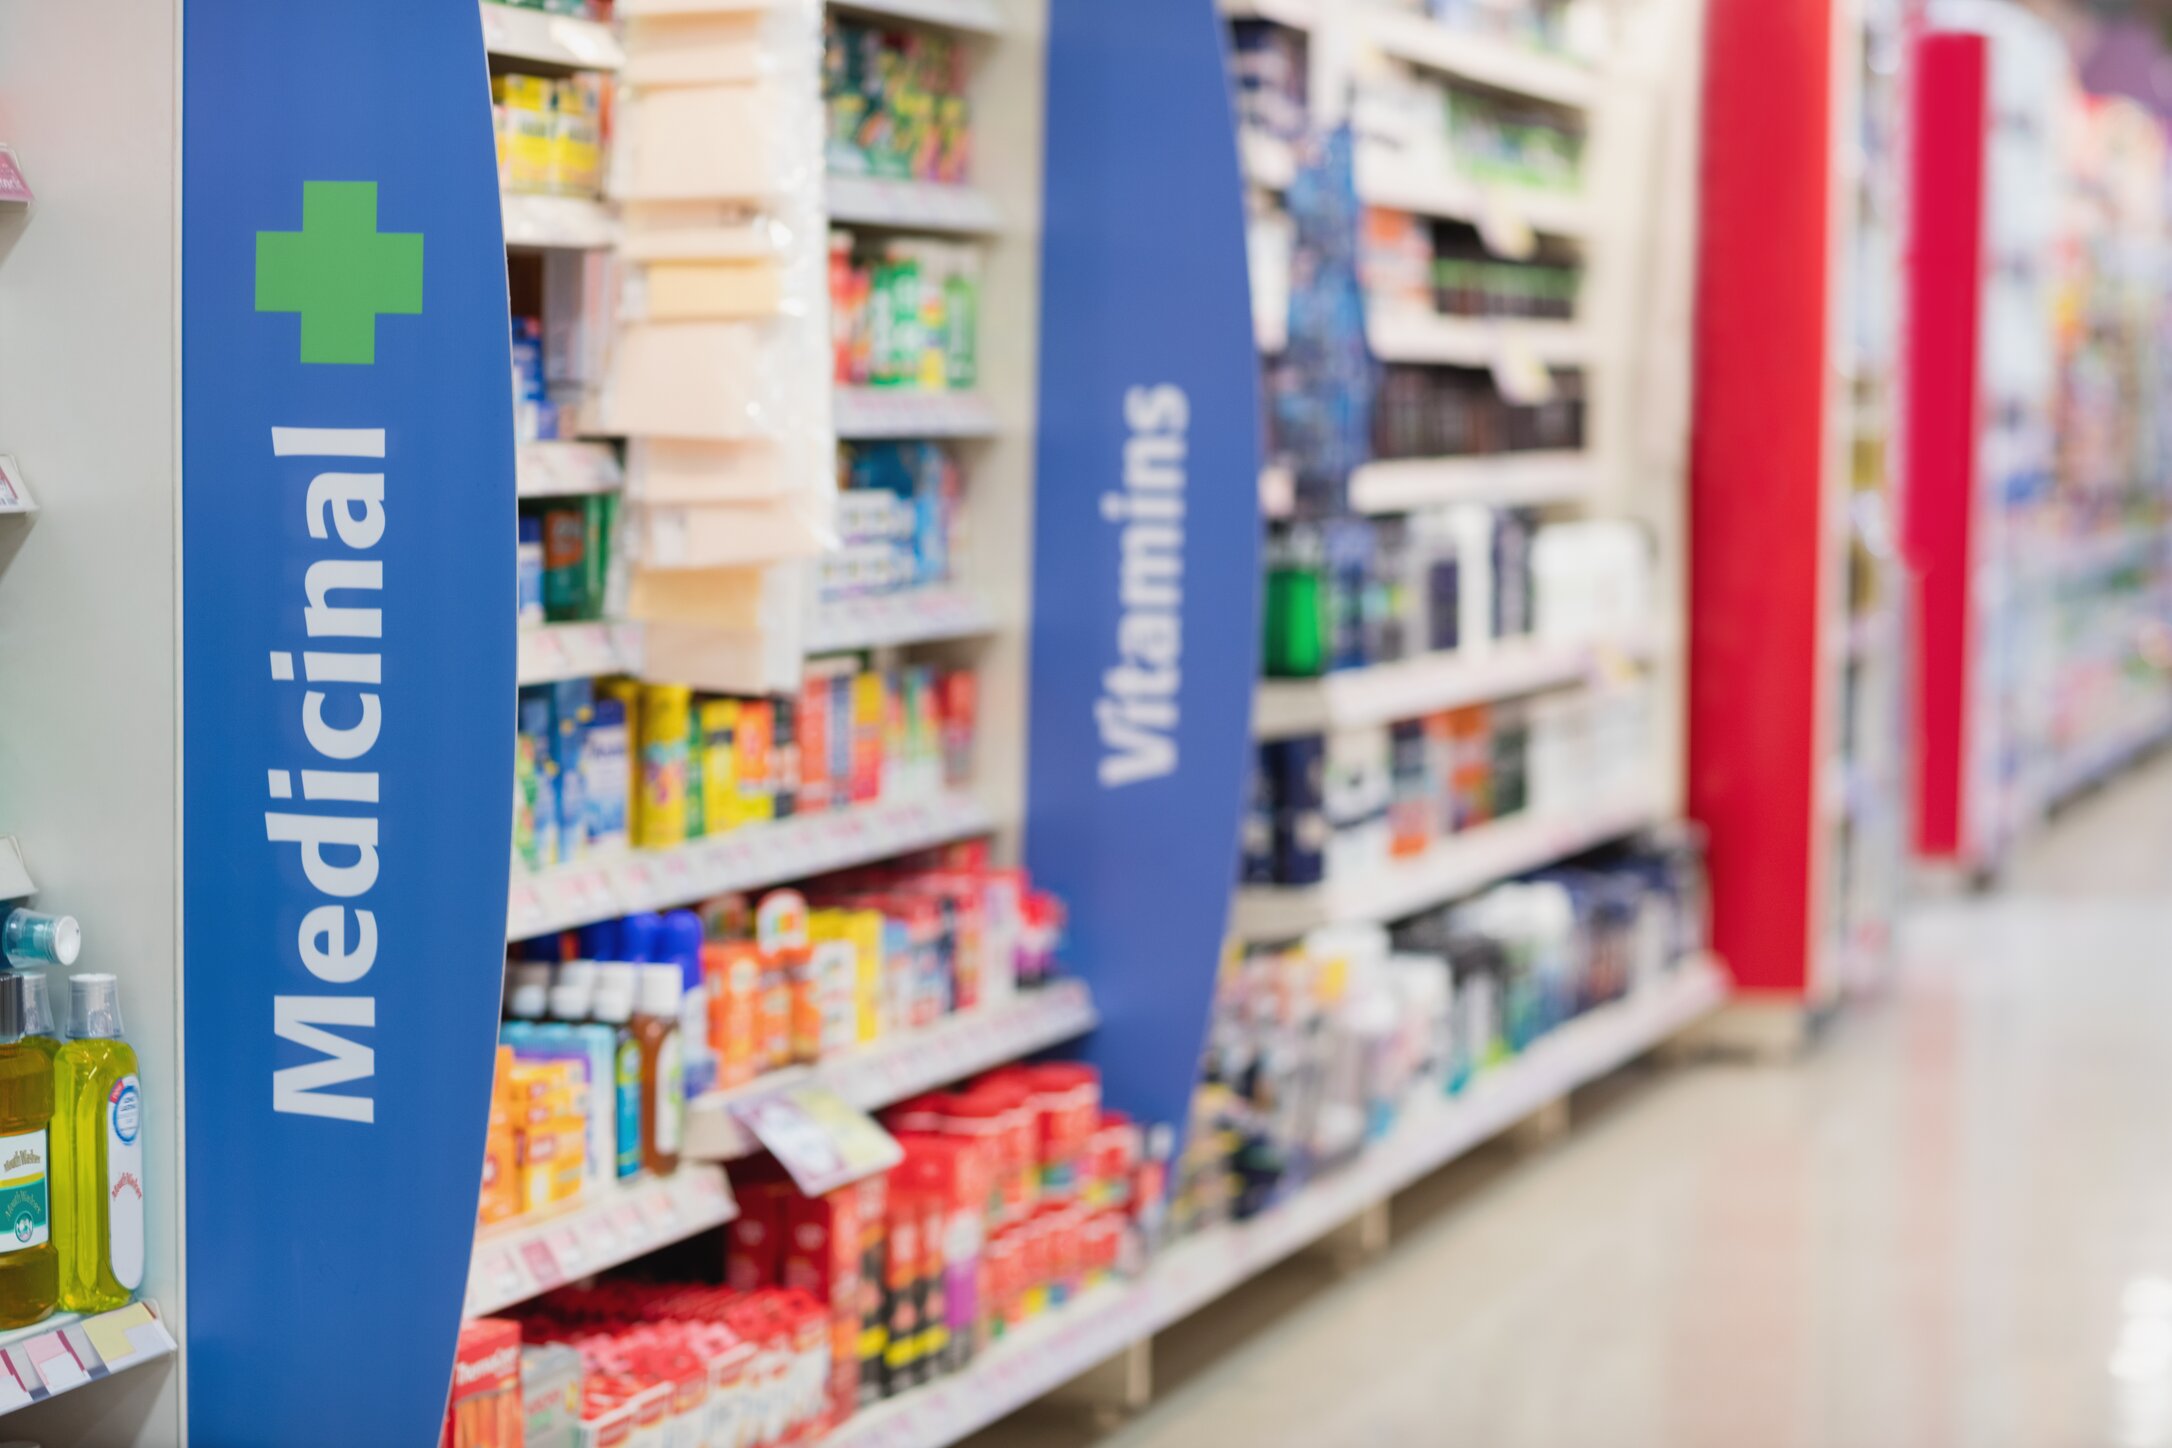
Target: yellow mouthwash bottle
{"x":43,"y":1031}
{"x":29,"y":1264}
{"x":97,"y":1152}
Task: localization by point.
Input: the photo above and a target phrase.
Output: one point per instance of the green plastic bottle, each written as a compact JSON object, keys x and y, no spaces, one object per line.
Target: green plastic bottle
{"x":29,"y":1263}
{"x":98,"y":1152}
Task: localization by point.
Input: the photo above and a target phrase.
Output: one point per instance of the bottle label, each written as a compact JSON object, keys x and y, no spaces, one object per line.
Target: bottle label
{"x":124,"y":1181}
{"x":670,"y":1094}
{"x":22,"y":1191}
{"x":629,"y":1109}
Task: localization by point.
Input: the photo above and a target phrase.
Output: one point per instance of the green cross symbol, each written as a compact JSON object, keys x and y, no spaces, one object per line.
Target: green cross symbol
{"x":339,"y":272}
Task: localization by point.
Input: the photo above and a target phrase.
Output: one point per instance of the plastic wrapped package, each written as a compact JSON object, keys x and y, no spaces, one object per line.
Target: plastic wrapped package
{"x":719,"y":373}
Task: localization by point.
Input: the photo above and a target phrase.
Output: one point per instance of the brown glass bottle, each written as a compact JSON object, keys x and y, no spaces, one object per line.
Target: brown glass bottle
{"x":663,"y":1074}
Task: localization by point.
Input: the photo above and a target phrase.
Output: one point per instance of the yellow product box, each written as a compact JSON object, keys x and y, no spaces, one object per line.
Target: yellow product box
{"x":569,"y":1156}
{"x":528,"y":102}
{"x":719,"y":725}
{"x":667,"y":727}
{"x":576,"y":141}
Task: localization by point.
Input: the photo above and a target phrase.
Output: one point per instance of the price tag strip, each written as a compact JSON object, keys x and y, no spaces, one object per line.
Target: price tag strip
{"x":517,"y":1260}
{"x":66,"y":1352}
{"x":748,"y":859}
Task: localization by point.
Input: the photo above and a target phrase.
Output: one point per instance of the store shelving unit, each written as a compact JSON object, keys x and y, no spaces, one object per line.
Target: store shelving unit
{"x":1460,"y":865}
{"x":924,"y":206}
{"x":1479,"y":59}
{"x":1104,"y":1321}
{"x":1413,"y":688}
{"x":551,"y":652}
{"x":568,"y":223}
{"x":1394,"y":184}
{"x":567,"y":469}
{"x":888,"y":621}
{"x":894,"y":1070}
{"x":1407,"y":336}
{"x":1533,"y":479}
{"x":752,"y":858}
{"x":867,"y":414}
{"x":529,"y":1256}
{"x":561,"y":42}
{"x":970,"y":17}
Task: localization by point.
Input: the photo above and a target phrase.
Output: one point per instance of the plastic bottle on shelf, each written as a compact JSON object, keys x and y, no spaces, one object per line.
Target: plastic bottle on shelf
{"x":40,"y":1027}
{"x":98,"y":1152}
{"x":663,"y":1078}
{"x":682,"y":944}
{"x":613,"y":1006}
{"x":29,"y":1261}
{"x":29,"y":938}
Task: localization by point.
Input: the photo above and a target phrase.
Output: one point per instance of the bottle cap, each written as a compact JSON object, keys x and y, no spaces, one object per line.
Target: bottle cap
{"x":14,"y":1007}
{"x":529,"y":996}
{"x":682,"y":946}
{"x":661,"y":987}
{"x":573,"y":993}
{"x":94,"y":1007}
{"x":600,"y":941}
{"x":29,"y":938}
{"x":41,"y":1022}
{"x":638,"y":937}
{"x":613,"y":1003}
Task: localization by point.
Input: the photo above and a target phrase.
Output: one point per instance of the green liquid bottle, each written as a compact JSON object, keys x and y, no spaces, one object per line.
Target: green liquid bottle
{"x":97,"y":1152}
{"x":29,"y":1262}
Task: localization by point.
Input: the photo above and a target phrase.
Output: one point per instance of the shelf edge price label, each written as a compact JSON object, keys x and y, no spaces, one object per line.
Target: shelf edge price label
{"x":822,"y":1140}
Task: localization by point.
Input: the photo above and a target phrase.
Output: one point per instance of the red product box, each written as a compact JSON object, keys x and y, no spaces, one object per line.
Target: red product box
{"x":486,"y":1409}
{"x":822,"y":1259}
{"x":757,"y":1236}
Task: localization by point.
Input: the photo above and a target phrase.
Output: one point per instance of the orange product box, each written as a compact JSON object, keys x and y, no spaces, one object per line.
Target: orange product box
{"x":486,"y":1409}
{"x":734,"y":974}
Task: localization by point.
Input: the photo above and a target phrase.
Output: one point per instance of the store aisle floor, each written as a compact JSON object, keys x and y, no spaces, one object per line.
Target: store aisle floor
{"x":1951,"y":1224}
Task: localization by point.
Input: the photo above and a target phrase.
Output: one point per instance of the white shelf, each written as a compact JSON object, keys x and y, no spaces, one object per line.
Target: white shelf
{"x":1455,"y":867}
{"x":66,"y":1351}
{"x":565,"y":41}
{"x":1508,"y":480}
{"x":586,"y":891}
{"x":572,"y":223}
{"x":566,"y":469}
{"x":526,"y":1257}
{"x":917,"y":1061}
{"x":1412,"y":688}
{"x":1396,"y":184}
{"x":1269,"y":161}
{"x":1065,"y":1343}
{"x":1405,"y":334}
{"x":911,"y":205}
{"x":918,"y":616}
{"x":1501,"y":65}
{"x":1296,"y":14}
{"x":978,"y":17}
{"x":867,"y":414}
{"x":578,"y":651}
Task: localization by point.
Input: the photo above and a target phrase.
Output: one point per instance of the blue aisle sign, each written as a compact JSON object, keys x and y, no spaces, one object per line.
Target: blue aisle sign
{"x":348,"y":681}
{"x":1147,"y":529}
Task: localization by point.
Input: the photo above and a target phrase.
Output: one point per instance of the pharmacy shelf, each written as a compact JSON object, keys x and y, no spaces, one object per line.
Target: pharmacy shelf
{"x":1505,"y":480}
{"x":917,"y":1061}
{"x":2093,"y":765}
{"x":1453,"y":868}
{"x":1106,"y":1320}
{"x":1405,"y":334}
{"x":567,"y":469}
{"x":1413,"y":688}
{"x":867,"y":414}
{"x":557,"y":651}
{"x":1393,"y":184}
{"x":1484,"y":60}
{"x":976,"y":17}
{"x":570,"y":223}
{"x":1296,"y":14}
{"x":66,"y":1351}
{"x":564,"y":42}
{"x":1269,"y":161}
{"x":917,"y":616}
{"x":912,"y":205}
{"x":526,"y":1257}
{"x":752,"y":858}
